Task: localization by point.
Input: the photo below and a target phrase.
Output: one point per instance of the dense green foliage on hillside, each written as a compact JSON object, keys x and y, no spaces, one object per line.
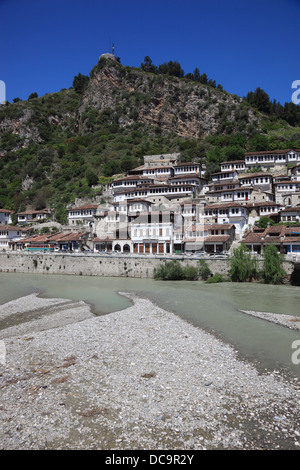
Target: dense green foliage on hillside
{"x":46,"y":157}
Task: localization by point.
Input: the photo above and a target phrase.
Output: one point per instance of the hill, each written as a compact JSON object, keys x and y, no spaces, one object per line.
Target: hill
{"x":57,"y":147}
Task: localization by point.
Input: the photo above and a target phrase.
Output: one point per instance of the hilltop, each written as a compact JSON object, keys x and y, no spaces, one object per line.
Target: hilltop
{"x":67,"y":144}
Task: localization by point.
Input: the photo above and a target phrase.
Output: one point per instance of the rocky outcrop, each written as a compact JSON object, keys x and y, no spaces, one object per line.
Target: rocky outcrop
{"x":125,"y":95}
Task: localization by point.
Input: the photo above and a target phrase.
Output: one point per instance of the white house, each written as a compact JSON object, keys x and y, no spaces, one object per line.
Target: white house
{"x":31,"y":216}
{"x":272,"y":158}
{"x":290,"y":214}
{"x":9,"y":235}
{"x":5,"y":216}
{"x":224,"y":176}
{"x":257,"y":180}
{"x":236,"y":165}
{"x":84,"y":214}
{"x":233,"y":213}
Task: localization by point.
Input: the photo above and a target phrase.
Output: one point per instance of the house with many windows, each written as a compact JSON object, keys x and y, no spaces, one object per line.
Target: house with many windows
{"x":272,"y":159}
{"x":82,"y":215}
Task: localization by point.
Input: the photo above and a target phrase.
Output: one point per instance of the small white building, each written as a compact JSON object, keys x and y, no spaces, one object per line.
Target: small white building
{"x":82,"y":215}
{"x":31,"y":216}
{"x":236,"y":165}
{"x":5,"y":216}
{"x":9,"y":235}
{"x":290,"y":214}
{"x":224,"y":176}
{"x":257,"y":180}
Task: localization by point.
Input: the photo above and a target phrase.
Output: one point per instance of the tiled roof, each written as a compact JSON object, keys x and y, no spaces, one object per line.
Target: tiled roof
{"x":10,"y":228}
{"x":86,"y":206}
{"x":225,"y":205}
{"x":216,"y":238}
{"x":291,"y":209}
{"x":272,"y":152}
{"x":269,"y":235}
{"x":31,"y":212}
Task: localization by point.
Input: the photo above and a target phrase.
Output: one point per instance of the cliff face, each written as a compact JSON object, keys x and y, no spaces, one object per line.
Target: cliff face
{"x":121,"y":95}
{"x":186,"y":108}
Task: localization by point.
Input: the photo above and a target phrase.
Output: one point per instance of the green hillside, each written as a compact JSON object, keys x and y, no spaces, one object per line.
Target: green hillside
{"x":57,"y":147}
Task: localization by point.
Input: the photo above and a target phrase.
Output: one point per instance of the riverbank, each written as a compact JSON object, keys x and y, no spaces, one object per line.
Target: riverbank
{"x":109,"y":265}
{"x":140,"y":378}
{"x":288,"y":321}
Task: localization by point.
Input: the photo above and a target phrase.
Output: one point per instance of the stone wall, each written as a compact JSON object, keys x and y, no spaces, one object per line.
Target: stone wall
{"x":101,"y":265}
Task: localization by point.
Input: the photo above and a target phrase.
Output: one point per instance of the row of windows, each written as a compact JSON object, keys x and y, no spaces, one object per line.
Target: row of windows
{"x":82,"y":212}
{"x":6,"y":233}
{"x":256,"y":180}
{"x":154,"y":232}
{"x":269,"y":158}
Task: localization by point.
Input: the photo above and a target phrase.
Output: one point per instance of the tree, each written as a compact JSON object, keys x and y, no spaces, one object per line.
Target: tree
{"x":204,"y":270}
{"x":80,"y":82}
{"x":148,"y":66}
{"x":242,"y":266}
{"x":33,"y":95}
{"x":264,"y":221}
{"x":91,"y":177}
{"x":260,"y":100}
{"x":258,"y":142}
{"x":171,"y":68}
{"x":196,"y":75}
{"x":203,"y":79}
{"x":273,"y":272}
{"x":15,"y":100}
{"x":111,"y":168}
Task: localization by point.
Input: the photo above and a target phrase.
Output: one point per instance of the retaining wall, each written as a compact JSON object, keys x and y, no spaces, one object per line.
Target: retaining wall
{"x":102,"y":265}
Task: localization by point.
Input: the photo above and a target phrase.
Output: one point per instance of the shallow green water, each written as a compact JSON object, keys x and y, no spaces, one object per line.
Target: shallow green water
{"x":213,"y":307}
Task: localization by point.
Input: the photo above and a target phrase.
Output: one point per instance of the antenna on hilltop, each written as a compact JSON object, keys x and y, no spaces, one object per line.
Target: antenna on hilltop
{"x":113,"y":49}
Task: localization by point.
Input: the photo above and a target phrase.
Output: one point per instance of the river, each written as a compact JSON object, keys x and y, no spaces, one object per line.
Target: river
{"x":212,"y":307}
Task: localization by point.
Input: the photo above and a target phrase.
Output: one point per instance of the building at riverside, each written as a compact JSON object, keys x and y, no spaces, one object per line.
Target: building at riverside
{"x":166,"y":206}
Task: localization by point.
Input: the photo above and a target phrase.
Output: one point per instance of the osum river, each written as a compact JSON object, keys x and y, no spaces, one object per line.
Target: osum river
{"x":212,"y":307}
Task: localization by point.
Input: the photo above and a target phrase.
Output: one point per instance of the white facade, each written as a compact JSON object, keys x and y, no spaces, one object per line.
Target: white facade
{"x":233,"y":214}
{"x":155,"y":190}
{"x":5,"y":216}
{"x":32,"y":216}
{"x":224,"y":176}
{"x":259,"y":180}
{"x":271,"y":159}
{"x":82,"y":215}
{"x":237,"y":165}
{"x":9,"y":234}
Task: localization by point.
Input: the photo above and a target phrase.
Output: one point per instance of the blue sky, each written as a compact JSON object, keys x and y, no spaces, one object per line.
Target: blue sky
{"x":242,"y":44}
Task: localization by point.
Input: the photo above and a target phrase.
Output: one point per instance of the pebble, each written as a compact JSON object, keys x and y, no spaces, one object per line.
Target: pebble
{"x":116,"y":382}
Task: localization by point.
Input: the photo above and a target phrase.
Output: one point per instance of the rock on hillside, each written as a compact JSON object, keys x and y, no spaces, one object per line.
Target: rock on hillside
{"x":125,"y":95}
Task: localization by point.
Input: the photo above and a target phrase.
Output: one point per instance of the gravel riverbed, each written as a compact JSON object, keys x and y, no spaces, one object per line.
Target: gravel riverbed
{"x":140,"y":378}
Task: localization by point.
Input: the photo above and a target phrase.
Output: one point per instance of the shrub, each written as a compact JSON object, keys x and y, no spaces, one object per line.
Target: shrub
{"x":190,"y":273}
{"x":203,"y":270}
{"x":215,"y":278}
{"x":171,"y":271}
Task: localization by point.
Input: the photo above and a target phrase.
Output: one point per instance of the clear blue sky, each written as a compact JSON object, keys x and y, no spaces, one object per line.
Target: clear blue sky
{"x":242,"y":44}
